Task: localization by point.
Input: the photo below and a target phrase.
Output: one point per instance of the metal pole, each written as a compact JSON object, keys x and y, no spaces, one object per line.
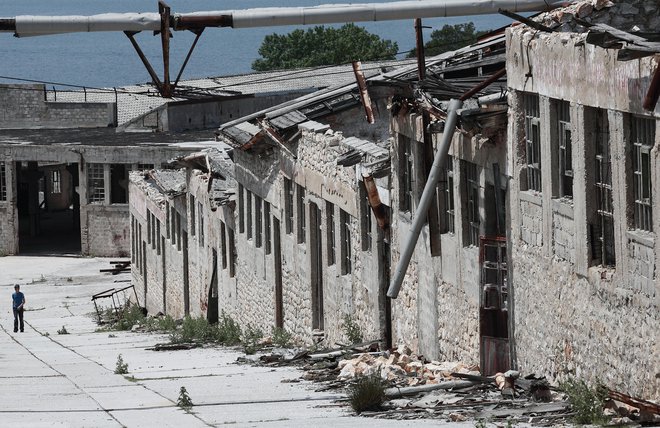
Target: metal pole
{"x":425,"y":200}
{"x":429,"y":188}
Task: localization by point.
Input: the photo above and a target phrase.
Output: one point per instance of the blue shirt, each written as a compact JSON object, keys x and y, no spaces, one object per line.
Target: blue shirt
{"x":18,"y":299}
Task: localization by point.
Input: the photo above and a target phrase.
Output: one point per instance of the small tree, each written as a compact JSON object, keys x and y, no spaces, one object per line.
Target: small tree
{"x":322,"y":46}
{"x":449,"y":38}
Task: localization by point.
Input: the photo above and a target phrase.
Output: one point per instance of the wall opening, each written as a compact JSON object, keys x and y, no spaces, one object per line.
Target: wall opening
{"x":316,"y":267}
{"x":48,"y":208}
{"x":212,"y":310}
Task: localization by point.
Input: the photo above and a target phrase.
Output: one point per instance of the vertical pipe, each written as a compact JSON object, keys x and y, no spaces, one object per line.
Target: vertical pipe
{"x":426,"y":199}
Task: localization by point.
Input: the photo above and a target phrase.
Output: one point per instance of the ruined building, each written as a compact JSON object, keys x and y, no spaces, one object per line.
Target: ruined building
{"x":538,"y":252}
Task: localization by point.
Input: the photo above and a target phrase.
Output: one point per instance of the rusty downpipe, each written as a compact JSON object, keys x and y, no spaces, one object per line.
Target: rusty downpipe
{"x":364,"y":92}
{"x":429,"y":189}
{"x":379,"y":210}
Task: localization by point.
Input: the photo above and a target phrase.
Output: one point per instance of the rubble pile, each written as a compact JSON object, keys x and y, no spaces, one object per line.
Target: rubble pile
{"x":451,"y":391}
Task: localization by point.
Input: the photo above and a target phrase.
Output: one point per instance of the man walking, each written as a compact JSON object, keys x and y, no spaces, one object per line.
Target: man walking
{"x":18,"y":300}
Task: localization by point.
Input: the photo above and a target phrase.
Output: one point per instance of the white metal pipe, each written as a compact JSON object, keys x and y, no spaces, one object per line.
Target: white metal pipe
{"x":28,"y":25}
{"x":425,"y":200}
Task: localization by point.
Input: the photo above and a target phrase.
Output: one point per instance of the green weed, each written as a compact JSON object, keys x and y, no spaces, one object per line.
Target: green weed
{"x":352,"y":330}
{"x":184,"y":400}
{"x":63,"y":330}
{"x":281,"y":337}
{"x":367,"y":393}
{"x":121,"y":367}
{"x":585,"y":401}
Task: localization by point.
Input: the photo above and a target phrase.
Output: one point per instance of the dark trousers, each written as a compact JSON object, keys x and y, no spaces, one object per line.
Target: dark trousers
{"x":18,"y":314}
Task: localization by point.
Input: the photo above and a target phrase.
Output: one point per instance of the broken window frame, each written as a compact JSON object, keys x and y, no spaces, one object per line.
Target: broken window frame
{"x":96,"y":193}
{"x":267,"y":232}
{"x":642,"y":136}
{"x":241,"y":209}
{"x":406,"y":174}
{"x":288,"y":205}
{"x":565,"y":147}
{"x":258,"y":220}
{"x":3,"y":182}
{"x":231,"y":253}
{"x":193,"y":220}
{"x":531,"y":107}
{"x":330,"y":233}
{"x":473,"y":220}
{"x":345,"y":236}
{"x":446,"y":187}
{"x":366,"y":223}
{"x":604,"y":227}
{"x":223,"y":244}
{"x":56,"y":182}
{"x":200,"y":223}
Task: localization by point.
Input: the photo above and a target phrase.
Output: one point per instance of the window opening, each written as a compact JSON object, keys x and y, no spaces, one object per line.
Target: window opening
{"x":533,"y":141}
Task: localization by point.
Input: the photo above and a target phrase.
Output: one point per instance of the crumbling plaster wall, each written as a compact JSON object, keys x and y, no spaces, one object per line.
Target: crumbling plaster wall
{"x":24,"y":106}
{"x":573,"y":318}
{"x":437,"y":288}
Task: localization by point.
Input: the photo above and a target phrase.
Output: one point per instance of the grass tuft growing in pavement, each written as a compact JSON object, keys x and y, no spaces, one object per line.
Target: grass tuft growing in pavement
{"x":63,"y":330}
{"x":281,"y":337}
{"x":184,"y":400}
{"x":225,"y":332}
{"x":121,"y":367}
{"x":251,"y":339}
{"x":367,"y":393}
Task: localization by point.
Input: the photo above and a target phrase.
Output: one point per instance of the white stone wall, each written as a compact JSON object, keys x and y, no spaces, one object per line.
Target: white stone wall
{"x":572,"y":316}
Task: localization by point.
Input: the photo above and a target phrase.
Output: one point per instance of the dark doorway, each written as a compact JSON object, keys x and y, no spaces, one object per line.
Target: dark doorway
{"x":48,"y":208}
{"x":384,"y":277}
{"x":316,"y":270}
{"x":186,"y":278}
{"x":277,"y":256}
{"x":212,"y":310}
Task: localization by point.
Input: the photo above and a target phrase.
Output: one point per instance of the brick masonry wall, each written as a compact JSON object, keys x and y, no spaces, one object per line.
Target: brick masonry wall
{"x":105,"y":230}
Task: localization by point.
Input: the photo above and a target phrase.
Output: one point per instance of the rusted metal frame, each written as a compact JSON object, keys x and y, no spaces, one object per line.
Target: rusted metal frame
{"x":164,"y":11}
{"x":198,"y":34}
{"x":651,"y":98}
{"x":364,"y":92}
{"x":432,"y":215}
{"x":642,"y":405}
{"x":529,"y":22}
{"x":379,"y":210}
{"x":145,"y":61}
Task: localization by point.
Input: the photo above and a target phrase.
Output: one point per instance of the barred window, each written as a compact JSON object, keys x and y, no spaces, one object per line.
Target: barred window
{"x":604,"y":228}
{"x":56,"y":181}
{"x":95,"y":183}
{"x":565,"y":149}
{"x":231,"y":253}
{"x":533,"y":141}
{"x":472,"y":203}
{"x":301,"y":213}
{"x":248,"y":213}
{"x":643,"y":137}
{"x":223,"y":245}
{"x":241,"y":210}
{"x":3,"y":182}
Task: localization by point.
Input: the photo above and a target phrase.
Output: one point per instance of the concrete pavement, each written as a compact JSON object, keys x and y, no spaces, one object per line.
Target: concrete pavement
{"x":50,"y":379}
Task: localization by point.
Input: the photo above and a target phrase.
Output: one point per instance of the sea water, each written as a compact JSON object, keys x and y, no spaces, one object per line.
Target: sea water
{"x":108,"y":59}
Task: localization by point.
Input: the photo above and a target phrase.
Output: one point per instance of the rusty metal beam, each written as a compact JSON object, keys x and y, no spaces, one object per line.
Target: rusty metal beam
{"x":379,"y":210}
{"x":145,"y":61}
{"x":164,"y":11}
{"x":198,"y":34}
{"x":364,"y":92}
